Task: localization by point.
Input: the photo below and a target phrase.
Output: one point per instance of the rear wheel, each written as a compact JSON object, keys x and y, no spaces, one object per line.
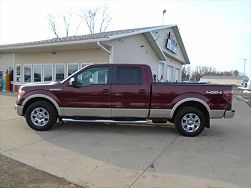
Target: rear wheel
{"x":190,"y":121}
{"x":41,"y":116}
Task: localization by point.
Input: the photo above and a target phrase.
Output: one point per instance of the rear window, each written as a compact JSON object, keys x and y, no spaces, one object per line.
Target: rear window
{"x":128,"y":75}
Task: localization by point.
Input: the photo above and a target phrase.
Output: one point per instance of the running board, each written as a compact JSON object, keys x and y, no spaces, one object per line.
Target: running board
{"x":105,"y":121}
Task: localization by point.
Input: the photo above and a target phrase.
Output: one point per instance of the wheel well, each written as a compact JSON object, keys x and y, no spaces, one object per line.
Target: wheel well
{"x":36,"y":99}
{"x":198,"y":105}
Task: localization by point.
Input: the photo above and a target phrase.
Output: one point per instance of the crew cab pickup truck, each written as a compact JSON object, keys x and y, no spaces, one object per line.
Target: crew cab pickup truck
{"x":124,"y":92}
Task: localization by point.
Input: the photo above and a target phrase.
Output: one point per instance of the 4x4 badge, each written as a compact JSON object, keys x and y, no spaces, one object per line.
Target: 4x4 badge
{"x":214,"y":92}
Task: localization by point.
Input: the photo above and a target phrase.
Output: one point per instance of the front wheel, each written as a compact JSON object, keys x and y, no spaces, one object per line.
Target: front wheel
{"x":190,"y":121}
{"x":41,"y":115}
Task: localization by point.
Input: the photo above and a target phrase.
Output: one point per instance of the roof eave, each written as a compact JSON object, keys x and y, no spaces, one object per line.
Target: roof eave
{"x":53,"y":44}
{"x":181,"y":44}
{"x":155,"y":46}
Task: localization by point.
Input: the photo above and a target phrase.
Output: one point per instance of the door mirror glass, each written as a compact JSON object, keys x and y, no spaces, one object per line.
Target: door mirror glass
{"x":72,"y":81}
{"x":91,"y":80}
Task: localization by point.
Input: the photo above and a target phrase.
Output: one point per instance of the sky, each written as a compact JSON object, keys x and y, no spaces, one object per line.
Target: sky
{"x":215,"y":33}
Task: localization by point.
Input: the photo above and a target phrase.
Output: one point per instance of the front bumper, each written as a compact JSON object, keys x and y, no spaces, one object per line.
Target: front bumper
{"x":229,"y":113}
{"x":19,"y":109}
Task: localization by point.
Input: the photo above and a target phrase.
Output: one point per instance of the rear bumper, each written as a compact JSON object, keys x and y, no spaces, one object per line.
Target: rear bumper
{"x":19,"y":109}
{"x":216,"y":114}
{"x":229,"y":113}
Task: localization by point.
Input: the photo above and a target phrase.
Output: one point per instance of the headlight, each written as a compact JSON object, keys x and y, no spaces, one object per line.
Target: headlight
{"x":20,"y":94}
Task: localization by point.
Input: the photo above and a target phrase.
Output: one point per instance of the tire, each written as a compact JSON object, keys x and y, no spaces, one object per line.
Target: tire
{"x":190,"y":121}
{"x":40,"y":116}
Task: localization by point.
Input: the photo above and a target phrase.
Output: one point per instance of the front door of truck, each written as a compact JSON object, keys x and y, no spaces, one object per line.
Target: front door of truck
{"x":90,"y":93}
{"x":130,"y":92}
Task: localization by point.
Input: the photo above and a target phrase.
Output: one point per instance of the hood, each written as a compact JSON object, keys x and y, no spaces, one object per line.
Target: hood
{"x":44,"y":86}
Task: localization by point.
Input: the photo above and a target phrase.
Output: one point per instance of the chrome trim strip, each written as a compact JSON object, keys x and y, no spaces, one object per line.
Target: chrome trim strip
{"x":59,"y":110}
{"x":55,"y":89}
{"x":105,"y":121}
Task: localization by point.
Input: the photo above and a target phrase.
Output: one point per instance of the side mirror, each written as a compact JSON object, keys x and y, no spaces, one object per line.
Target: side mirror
{"x":72,"y":81}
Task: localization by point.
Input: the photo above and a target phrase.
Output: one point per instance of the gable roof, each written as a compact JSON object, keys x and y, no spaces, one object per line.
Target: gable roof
{"x":104,"y":36}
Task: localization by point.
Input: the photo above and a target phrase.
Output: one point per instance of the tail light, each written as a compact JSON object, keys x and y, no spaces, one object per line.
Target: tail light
{"x":228,"y":95}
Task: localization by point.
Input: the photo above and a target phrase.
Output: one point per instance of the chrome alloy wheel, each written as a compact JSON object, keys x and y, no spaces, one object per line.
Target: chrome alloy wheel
{"x":39,"y":116}
{"x":190,"y":122}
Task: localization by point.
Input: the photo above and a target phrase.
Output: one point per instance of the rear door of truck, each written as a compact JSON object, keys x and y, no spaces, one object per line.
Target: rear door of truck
{"x":130,"y":91}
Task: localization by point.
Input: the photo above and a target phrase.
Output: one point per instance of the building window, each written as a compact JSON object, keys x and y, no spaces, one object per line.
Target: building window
{"x":48,"y":72}
{"x":84,"y":65}
{"x":27,"y":73}
{"x":60,"y":72}
{"x":71,"y":68}
{"x":177,"y":75}
{"x":37,"y":72}
{"x":18,"y":73}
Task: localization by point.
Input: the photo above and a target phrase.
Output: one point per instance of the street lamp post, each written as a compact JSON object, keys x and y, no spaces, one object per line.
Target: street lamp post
{"x":164,"y":11}
{"x":245,"y":66}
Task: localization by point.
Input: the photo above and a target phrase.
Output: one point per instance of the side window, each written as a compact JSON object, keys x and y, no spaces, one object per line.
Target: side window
{"x":96,"y":75}
{"x":27,"y":73}
{"x":128,"y":75}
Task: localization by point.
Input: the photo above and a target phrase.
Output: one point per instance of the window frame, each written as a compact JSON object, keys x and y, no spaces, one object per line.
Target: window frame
{"x":67,"y":69}
{"x":114,"y":77}
{"x":41,"y":69}
{"x":55,"y":72}
{"x":30,"y":65}
{"x":52,"y":73}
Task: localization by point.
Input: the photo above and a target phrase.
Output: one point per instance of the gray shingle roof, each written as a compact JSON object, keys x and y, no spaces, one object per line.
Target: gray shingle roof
{"x":103,"y":35}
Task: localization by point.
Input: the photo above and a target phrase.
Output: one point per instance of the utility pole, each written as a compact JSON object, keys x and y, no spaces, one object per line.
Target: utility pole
{"x":245,"y":66}
{"x":163,"y":13}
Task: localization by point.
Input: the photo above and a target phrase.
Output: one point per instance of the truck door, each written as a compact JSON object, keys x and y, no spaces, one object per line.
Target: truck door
{"x":130,"y":91}
{"x":90,"y":95}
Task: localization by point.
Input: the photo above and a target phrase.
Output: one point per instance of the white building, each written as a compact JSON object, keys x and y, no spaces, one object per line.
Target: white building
{"x":161,"y":47}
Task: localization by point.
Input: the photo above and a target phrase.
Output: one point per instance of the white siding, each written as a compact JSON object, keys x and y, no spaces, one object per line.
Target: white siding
{"x":134,"y":50}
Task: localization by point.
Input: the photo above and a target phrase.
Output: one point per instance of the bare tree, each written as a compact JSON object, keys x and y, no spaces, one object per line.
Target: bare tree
{"x":93,"y":19}
{"x":89,"y":16}
{"x":52,"y":25}
{"x":67,"y":21}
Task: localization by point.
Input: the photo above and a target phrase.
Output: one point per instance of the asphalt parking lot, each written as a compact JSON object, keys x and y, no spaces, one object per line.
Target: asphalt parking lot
{"x":109,"y":155}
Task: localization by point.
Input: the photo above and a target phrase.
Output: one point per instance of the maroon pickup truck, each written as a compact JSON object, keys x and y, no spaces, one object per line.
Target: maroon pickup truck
{"x":124,"y":93}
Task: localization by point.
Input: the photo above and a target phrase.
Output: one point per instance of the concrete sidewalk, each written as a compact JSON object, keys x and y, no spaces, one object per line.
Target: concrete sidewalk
{"x":105,"y":155}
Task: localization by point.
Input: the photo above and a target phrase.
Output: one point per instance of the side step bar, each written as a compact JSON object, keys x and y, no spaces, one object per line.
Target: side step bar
{"x":104,"y":121}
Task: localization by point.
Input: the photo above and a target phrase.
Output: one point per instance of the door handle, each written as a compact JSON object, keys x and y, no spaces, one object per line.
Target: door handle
{"x":106,"y":91}
{"x":142,"y":91}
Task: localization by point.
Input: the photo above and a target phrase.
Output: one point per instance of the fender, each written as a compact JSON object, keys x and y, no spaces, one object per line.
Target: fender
{"x":190,"y":99}
{"x":59,"y":110}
